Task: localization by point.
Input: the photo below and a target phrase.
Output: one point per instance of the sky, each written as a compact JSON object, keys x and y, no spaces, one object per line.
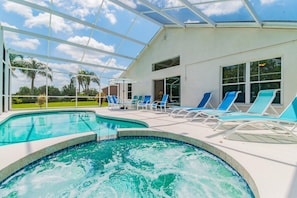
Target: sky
{"x":109,"y":17}
{"x":106,"y":15}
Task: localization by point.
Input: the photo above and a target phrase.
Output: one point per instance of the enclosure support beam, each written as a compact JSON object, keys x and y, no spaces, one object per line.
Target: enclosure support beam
{"x":6,"y":81}
{"x":1,"y":70}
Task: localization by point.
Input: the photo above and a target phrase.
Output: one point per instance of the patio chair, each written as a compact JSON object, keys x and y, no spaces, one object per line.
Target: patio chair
{"x":160,"y":104}
{"x":133,"y":102}
{"x":134,"y":99}
{"x":110,"y":101}
{"x":259,"y":107}
{"x":224,"y":106}
{"x":139,"y":98}
{"x":116,"y":101}
{"x":144,"y":103}
{"x":178,"y":110}
{"x":288,"y":116}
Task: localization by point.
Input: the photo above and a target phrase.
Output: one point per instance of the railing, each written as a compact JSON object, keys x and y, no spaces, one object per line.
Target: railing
{"x":31,"y":102}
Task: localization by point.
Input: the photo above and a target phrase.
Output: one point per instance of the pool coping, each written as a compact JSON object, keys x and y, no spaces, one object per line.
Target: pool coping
{"x":35,"y":150}
{"x":28,"y":152}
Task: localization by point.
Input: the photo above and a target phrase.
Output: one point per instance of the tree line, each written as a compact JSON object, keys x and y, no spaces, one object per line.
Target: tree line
{"x":32,"y":68}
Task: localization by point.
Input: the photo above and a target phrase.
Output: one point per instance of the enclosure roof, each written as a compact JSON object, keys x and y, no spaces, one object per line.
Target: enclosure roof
{"x":109,"y":35}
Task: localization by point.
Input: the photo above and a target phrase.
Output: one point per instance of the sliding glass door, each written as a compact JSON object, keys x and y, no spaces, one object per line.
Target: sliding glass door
{"x":170,"y":86}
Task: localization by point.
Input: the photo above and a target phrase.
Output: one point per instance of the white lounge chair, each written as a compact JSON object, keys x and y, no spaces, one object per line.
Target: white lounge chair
{"x":288,"y":116}
{"x":259,"y":106}
{"x":178,"y":110}
{"x":160,"y":104}
{"x":145,"y":103}
{"x":224,"y":106}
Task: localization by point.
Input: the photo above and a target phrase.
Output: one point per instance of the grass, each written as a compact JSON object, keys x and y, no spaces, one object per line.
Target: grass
{"x":58,"y":104}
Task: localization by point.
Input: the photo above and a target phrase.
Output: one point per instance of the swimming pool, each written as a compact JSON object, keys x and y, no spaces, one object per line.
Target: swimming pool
{"x":40,"y":125}
{"x":128,"y":167}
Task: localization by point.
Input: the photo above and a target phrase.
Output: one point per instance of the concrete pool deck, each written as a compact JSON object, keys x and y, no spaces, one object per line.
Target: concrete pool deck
{"x":270,"y":161}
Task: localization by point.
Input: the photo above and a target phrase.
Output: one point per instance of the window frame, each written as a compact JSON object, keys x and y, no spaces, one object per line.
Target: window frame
{"x":165,"y":64}
{"x":129,"y":91}
{"x":248,"y":82}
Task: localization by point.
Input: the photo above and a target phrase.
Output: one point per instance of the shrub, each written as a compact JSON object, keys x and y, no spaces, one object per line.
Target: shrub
{"x":41,"y":100}
{"x":16,"y":101}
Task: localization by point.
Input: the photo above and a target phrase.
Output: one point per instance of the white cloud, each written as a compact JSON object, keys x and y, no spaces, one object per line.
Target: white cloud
{"x":80,"y":8}
{"x":10,"y":35}
{"x":267,"y":1}
{"x":113,"y":63}
{"x":60,"y":80}
{"x":89,"y":56}
{"x":20,"y":80}
{"x":129,"y":3}
{"x":68,"y":68}
{"x":94,"y":4}
{"x":217,"y":9}
{"x":39,"y":2}
{"x":111,"y":17}
{"x":166,"y":4}
{"x":81,"y":12}
{"x":117,"y":75}
{"x":16,"y":41}
{"x":17,"y":8}
{"x":77,"y":53}
{"x":92,"y":43}
{"x":42,"y":19}
{"x":77,"y":8}
{"x":85,"y":8}
{"x":31,"y":44}
{"x":78,"y":26}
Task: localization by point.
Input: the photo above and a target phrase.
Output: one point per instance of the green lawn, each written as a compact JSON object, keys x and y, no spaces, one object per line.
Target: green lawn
{"x":58,"y":104}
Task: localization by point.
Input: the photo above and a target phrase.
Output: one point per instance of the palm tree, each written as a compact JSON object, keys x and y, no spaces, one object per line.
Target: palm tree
{"x":33,"y":68}
{"x":84,"y":79}
{"x":91,"y":77}
{"x":81,"y":79}
{"x":12,"y":59}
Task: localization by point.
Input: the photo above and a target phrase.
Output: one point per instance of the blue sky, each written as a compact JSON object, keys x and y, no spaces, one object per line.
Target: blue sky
{"x":106,"y":15}
{"x":111,"y":17}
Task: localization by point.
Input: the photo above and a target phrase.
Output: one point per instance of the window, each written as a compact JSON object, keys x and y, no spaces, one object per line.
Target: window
{"x":234,"y":80}
{"x":166,"y":64}
{"x":129,"y":90}
{"x":263,"y":74}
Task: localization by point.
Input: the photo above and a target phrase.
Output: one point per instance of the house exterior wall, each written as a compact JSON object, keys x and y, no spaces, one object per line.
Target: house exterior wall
{"x":113,"y":90}
{"x":203,"y":51}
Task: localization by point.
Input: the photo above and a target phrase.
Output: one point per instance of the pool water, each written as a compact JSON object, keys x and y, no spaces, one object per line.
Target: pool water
{"x":129,"y":167}
{"x":36,"y":126}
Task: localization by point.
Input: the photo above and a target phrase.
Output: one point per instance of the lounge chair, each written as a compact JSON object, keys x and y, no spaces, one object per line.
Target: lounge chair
{"x":110,"y":101}
{"x":139,"y":98}
{"x":224,"y":106}
{"x":160,"y":104}
{"x":288,"y":116}
{"x":133,"y":102}
{"x":134,"y":99}
{"x":178,"y":110}
{"x":259,"y":106}
{"x":145,"y":103}
{"x":116,"y":101}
